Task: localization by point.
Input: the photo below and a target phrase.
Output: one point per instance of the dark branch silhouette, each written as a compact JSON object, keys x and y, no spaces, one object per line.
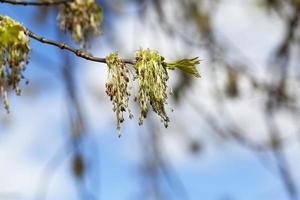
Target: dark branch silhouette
{"x":36,"y":3}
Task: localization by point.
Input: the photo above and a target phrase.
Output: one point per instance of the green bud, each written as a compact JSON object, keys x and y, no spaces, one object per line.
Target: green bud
{"x":186,"y":65}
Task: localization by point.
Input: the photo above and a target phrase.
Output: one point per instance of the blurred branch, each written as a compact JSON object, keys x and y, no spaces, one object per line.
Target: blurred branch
{"x":281,"y":159}
{"x":77,"y":125}
{"x":52,"y":165}
{"x":81,"y":163}
{"x":233,"y":130}
{"x":170,"y":174}
{"x":36,"y":3}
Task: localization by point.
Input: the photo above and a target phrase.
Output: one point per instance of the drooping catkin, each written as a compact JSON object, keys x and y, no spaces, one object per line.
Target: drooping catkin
{"x":152,"y":78}
{"x":14,"y":50}
{"x":117,"y":87}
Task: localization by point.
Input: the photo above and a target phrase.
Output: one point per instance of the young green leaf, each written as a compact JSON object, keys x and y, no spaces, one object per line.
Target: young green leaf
{"x":186,"y":65}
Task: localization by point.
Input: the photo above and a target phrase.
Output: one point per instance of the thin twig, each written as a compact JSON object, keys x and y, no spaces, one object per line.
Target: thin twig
{"x":77,"y":52}
{"x":36,"y":3}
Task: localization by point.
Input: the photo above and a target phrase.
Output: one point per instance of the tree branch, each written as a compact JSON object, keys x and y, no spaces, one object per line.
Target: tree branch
{"x":36,"y":3}
{"x":77,"y":52}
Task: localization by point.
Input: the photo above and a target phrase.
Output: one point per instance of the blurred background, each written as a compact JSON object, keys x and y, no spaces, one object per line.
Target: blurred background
{"x":234,"y":133}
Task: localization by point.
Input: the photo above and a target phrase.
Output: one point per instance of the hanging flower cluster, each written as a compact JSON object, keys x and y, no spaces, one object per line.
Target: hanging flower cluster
{"x":82,"y":18}
{"x":14,"y":50}
{"x":151,"y":75}
{"x":117,"y":86}
{"x":186,"y":65}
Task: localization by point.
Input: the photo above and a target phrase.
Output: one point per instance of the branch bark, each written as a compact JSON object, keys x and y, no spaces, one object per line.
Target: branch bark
{"x":36,"y":3}
{"x":77,"y":52}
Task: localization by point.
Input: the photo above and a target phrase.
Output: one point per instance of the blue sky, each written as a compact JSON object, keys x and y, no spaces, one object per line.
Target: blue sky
{"x":37,"y":127}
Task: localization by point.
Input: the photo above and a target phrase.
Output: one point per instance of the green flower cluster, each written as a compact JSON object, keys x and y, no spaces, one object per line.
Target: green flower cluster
{"x":152,"y":78}
{"x":82,"y":18}
{"x":117,"y":86}
{"x":14,"y":50}
{"x":151,"y":75}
